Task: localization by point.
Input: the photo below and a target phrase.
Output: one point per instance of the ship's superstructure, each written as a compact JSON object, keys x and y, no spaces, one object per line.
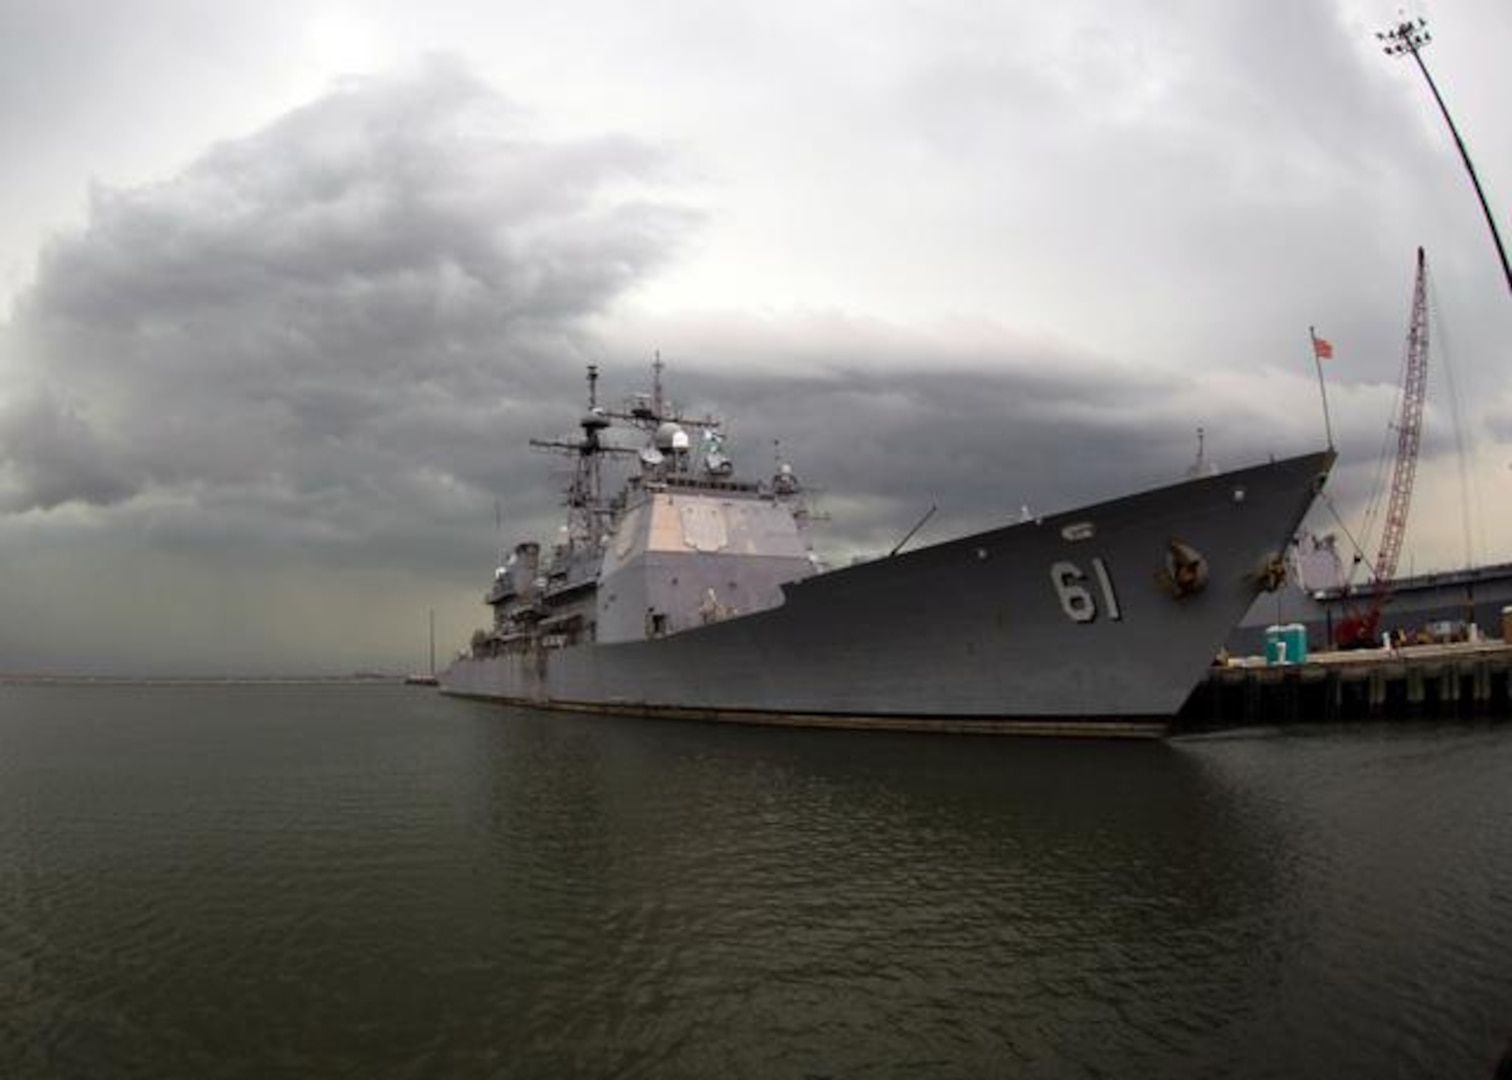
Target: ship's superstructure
{"x":684,"y":543}
{"x":692,"y":591}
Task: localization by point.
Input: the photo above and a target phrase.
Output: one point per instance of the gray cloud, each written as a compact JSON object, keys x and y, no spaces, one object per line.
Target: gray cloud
{"x":337,"y":302}
{"x":56,"y":457}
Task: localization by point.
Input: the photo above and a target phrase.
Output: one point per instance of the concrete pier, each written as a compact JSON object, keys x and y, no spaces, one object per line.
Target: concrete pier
{"x":1455,"y":681}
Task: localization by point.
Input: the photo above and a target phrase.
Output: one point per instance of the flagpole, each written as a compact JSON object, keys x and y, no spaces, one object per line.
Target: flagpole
{"x":1322,"y":388}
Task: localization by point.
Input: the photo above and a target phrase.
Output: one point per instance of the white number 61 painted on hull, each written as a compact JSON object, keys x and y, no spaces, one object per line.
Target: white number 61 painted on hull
{"x":1076,"y":599}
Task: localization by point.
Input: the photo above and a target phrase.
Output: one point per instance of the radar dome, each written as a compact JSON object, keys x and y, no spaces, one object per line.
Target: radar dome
{"x":670,"y":437}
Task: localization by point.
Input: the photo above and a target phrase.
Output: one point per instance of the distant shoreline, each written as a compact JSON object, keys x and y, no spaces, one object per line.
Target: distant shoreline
{"x":196,"y":680}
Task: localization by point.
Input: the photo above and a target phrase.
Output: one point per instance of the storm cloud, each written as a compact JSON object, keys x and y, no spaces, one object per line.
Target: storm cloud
{"x":346,"y":300}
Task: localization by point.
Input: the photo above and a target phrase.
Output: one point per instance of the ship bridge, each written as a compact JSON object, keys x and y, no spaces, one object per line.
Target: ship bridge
{"x":685,"y":554}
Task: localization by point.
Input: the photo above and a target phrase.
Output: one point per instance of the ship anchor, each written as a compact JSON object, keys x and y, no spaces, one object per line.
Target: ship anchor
{"x":1186,"y":571}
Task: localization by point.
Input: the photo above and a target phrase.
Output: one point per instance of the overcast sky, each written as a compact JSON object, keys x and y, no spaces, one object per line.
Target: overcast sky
{"x":285,"y":288}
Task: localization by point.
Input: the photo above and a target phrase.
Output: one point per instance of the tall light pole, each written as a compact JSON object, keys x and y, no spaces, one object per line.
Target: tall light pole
{"x":1409,"y":37}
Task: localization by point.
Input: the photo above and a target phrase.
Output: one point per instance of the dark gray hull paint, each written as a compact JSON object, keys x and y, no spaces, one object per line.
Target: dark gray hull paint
{"x":968,"y":635}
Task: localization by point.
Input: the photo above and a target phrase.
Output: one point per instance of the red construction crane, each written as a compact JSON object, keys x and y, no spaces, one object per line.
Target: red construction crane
{"x":1358,"y":628}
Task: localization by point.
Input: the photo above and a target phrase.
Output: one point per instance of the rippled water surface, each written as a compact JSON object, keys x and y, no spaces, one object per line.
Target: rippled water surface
{"x":372,"y":881}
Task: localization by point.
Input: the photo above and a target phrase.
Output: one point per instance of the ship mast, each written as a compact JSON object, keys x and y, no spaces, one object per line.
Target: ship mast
{"x":658,"y":405}
{"x":583,"y":495}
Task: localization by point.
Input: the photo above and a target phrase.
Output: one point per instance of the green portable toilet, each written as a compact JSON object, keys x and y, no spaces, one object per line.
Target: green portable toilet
{"x":1276,"y":651}
{"x":1295,"y":636}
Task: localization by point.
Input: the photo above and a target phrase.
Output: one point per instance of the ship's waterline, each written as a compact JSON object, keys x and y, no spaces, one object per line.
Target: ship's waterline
{"x":1127,"y":727}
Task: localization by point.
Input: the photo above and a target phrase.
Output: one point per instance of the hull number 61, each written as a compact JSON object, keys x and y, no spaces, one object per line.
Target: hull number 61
{"x":1075,"y":591}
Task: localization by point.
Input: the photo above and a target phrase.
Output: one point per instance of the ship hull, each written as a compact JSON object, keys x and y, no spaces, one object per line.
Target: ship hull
{"x":1076,"y":623}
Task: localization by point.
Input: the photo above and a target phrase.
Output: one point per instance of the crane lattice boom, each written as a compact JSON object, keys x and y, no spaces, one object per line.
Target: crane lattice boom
{"x":1358,"y":628}
{"x":1409,"y":432}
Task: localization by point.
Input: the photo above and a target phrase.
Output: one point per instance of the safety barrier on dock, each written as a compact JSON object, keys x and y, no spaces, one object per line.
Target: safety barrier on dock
{"x":1463,"y":681}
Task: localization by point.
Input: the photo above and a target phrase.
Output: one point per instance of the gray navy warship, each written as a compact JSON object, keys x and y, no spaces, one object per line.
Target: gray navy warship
{"x":693,"y":592}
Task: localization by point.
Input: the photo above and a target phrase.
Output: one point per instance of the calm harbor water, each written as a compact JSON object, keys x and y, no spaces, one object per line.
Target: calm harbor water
{"x":373,"y":881}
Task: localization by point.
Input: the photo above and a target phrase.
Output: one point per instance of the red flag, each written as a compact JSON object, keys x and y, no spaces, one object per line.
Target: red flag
{"x":1323,"y":348}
